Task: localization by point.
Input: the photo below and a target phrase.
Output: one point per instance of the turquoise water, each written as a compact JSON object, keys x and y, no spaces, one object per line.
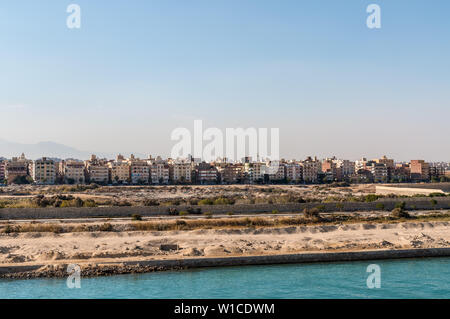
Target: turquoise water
{"x":408,"y":278}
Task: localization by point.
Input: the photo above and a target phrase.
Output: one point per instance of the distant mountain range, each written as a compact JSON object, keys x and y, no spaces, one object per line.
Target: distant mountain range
{"x":47,"y":149}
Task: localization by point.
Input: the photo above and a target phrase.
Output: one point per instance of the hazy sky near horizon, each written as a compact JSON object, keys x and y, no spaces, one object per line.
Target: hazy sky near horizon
{"x":136,"y":70}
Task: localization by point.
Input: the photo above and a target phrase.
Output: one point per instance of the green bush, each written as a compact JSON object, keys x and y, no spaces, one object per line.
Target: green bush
{"x":206,"y":201}
{"x":399,"y":213}
{"x":401,"y":205}
{"x":151,"y":202}
{"x":321,"y":208}
{"x":8,"y":229}
{"x":89,"y":203}
{"x":371,"y":198}
{"x":436,"y":195}
{"x":380,"y":206}
{"x":77,"y":202}
{"x":224,"y":201}
{"x":195,"y":211}
{"x":433,"y":203}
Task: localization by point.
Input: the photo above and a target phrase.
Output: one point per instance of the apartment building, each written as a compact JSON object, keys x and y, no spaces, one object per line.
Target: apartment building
{"x":344,"y":169}
{"x":401,"y":173}
{"x":311,"y":169}
{"x":294,"y":172}
{"x":159,"y":173}
{"x":119,"y":170}
{"x":379,"y":172}
{"x":255,"y":171}
{"x":279,"y":175}
{"x":97,"y":170}
{"x":206,"y":174}
{"x":180,"y":172}
{"x":420,"y":170}
{"x":437,"y":172}
{"x":43,"y":171}
{"x":2,"y":169}
{"x":231,"y":173}
{"x":72,"y":172}
{"x":386,"y":161}
{"x":329,"y":168}
{"x":17,"y":167}
{"x":139,"y":171}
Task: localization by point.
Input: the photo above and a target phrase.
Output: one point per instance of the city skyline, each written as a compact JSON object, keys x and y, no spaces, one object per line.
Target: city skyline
{"x":156,"y":170}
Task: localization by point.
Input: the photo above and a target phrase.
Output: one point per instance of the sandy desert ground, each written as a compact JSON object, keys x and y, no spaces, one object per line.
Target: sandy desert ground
{"x":135,"y":195}
{"x":51,"y":248}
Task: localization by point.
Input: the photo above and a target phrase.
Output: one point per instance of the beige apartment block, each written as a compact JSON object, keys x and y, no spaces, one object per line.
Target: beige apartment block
{"x":386,"y":161}
{"x":255,"y":171}
{"x":344,"y":168}
{"x":119,"y":171}
{"x":16,"y":167}
{"x":379,"y":172}
{"x":280,"y":174}
{"x":97,"y":170}
{"x":160,"y":173}
{"x":180,"y":172}
{"x":44,"y":171}
{"x":311,"y":168}
{"x":98,"y":173}
{"x":2,"y":169}
{"x":231,"y":173}
{"x":72,"y":172}
{"x":294,"y":172}
{"x":139,"y":170}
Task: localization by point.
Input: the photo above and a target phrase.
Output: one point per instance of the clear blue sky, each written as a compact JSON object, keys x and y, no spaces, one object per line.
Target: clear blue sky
{"x":138,"y":69}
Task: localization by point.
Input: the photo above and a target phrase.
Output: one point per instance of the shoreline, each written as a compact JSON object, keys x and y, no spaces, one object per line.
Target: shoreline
{"x":147,"y":266}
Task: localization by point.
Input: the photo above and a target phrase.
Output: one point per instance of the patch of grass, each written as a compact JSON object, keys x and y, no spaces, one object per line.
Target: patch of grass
{"x":312,"y":213}
{"x":371,"y":198}
{"x":209,"y":223}
{"x":106,"y":227}
{"x":206,"y":201}
{"x":151,"y":202}
{"x":224,"y":201}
